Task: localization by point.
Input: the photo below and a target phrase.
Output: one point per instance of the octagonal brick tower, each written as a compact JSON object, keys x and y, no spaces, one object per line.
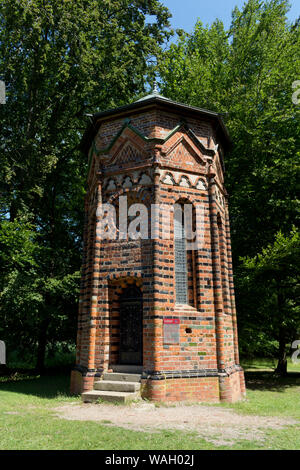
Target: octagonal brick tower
{"x":149,"y":304}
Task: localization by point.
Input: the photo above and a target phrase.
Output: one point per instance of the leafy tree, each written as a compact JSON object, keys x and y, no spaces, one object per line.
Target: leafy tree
{"x":59,"y":60}
{"x":271,"y":284}
{"x":246,"y":73}
{"x":35,"y":310}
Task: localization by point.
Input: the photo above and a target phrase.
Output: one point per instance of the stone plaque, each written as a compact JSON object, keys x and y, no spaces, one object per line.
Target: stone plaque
{"x":171,"y":330}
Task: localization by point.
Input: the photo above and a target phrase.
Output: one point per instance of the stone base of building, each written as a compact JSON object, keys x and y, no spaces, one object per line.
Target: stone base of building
{"x":204,"y":386}
{"x":82,"y":381}
{"x":215,"y":387}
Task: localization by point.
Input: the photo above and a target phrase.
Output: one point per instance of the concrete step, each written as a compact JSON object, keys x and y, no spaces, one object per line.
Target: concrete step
{"x":119,"y":377}
{"x":115,"y":397}
{"x":117,"y":386}
{"x":127,"y":369}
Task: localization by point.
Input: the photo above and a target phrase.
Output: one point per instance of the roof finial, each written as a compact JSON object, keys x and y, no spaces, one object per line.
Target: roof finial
{"x":155,"y":88}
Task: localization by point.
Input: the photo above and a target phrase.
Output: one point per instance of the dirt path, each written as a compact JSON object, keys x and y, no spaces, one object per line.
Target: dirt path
{"x":216,"y":425}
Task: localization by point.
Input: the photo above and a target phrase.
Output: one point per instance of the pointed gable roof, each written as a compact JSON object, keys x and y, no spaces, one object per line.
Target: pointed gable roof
{"x":151,"y":101}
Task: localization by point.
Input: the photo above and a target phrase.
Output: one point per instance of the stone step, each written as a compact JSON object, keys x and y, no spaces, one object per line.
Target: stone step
{"x":115,"y":397}
{"x":119,"y":377}
{"x":117,"y":386}
{"x":129,"y":369}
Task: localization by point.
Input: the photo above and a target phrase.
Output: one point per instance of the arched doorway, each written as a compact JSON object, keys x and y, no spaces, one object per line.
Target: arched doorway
{"x":131,"y":326}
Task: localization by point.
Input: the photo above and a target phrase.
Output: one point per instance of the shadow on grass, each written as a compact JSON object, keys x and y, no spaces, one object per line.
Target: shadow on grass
{"x":56,"y":383}
{"x":49,"y":385}
{"x":268,"y":381}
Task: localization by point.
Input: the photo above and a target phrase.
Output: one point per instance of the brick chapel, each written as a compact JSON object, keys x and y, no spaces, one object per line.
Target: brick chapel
{"x":156,"y":319}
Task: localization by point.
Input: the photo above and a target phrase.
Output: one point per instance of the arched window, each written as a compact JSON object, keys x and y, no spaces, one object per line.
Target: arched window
{"x":181,"y":267}
{"x":222,"y":261}
{"x":185,"y":253}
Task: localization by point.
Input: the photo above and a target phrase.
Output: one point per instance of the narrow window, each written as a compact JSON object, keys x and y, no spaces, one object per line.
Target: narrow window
{"x":222,"y":260}
{"x":181,"y":274}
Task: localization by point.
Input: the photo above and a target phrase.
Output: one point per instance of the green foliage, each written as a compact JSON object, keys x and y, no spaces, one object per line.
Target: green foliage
{"x":17,"y":246}
{"x":28,"y":297}
{"x":246,"y":73}
{"x":270,"y":283}
{"x":59,"y":60}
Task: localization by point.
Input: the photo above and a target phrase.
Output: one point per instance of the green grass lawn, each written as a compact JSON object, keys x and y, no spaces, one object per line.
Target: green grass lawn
{"x":27,"y":419}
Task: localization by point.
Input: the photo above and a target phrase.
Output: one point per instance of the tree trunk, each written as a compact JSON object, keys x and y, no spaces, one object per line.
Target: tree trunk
{"x":281,"y":368}
{"x":42,"y":343}
{"x":12,"y":212}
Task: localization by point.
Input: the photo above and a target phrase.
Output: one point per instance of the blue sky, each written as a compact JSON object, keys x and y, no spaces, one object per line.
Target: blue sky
{"x":186,"y":12}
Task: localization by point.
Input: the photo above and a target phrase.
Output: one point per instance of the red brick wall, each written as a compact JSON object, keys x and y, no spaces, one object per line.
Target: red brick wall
{"x":205,"y":389}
